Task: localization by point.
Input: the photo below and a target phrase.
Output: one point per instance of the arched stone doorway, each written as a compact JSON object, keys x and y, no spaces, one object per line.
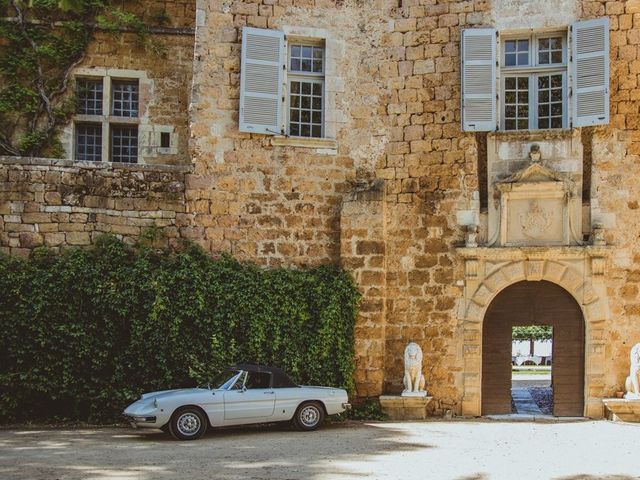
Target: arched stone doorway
{"x":534,"y":303}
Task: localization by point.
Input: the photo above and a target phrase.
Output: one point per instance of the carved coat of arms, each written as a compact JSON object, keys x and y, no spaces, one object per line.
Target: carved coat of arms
{"x":536,"y":221}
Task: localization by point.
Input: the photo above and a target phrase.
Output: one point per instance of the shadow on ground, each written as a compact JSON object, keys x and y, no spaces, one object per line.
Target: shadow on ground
{"x":254,"y":452}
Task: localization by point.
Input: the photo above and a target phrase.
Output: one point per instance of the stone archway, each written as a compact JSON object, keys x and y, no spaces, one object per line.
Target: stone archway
{"x":578,"y":270}
{"x":534,"y":303}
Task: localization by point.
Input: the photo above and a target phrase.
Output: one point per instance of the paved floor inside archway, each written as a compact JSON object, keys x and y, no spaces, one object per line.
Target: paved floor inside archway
{"x":455,"y":450}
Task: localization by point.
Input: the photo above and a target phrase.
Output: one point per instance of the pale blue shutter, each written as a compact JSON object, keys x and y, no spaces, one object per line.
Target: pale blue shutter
{"x":590,"y":70}
{"x":261,"y":72}
{"x":478,"y":54}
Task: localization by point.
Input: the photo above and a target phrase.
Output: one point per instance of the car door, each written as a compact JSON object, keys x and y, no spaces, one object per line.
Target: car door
{"x":252,"y":400}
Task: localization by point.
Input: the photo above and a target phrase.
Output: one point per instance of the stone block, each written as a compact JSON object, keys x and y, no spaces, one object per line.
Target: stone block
{"x":405,"y":408}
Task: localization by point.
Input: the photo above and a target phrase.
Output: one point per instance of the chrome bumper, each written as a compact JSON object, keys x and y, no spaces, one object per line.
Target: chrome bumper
{"x":346,"y":406}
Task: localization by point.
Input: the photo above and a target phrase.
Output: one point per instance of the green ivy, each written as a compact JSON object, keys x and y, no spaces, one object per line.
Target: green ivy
{"x":85,"y":332}
{"x":41,"y":42}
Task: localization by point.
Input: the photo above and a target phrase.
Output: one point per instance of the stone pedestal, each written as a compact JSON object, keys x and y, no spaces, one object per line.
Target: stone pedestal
{"x":397,"y":407}
{"x":622,"y":409}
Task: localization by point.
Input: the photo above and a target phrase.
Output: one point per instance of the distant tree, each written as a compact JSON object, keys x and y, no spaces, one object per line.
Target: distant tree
{"x":532,"y":333}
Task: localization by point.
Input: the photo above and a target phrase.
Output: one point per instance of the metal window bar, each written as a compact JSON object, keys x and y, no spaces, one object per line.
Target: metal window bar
{"x":124,"y":95}
{"x":89,"y":142}
{"x":124,"y":144}
{"x":89,"y":96}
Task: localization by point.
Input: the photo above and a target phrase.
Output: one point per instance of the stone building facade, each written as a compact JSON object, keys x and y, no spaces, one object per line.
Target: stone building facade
{"x":434,"y":221}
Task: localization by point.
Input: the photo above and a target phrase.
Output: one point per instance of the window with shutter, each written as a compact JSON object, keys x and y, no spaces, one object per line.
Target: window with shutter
{"x":590,"y":69}
{"x":478,"y":79}
{"x":261,"y":77}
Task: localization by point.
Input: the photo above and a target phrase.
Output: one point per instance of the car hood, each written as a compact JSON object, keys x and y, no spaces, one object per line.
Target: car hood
{"x":170,"y":393}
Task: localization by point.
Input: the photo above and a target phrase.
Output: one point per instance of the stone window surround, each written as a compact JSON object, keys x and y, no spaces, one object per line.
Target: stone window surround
{"x":333,"y":85}
{"x":149,"y":135}
{"x":532,"y":35}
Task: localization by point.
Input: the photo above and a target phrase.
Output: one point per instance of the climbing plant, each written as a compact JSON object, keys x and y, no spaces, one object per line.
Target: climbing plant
{"x":41,"y":42}
{"x":85,"y":332}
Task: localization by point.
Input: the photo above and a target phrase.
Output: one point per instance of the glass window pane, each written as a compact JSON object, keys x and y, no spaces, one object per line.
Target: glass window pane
{"x":295,"y":87}
{"x":295,"y":64}
{"x":317,"y":66}
{"x":556,"y":81}
{"x":543,"y":123}
{"x":543,"y":57}
{"x":509,"y":97}
{"x":523,"y":124}
{"x":317,"y":103}
{"x":305,"y":102}
{"x":510,"y":83}
{"x":124,"y":144}
{"x":556,"y":95}
{"x":523,"y":45}
{"x":295,"y":101}
{"x":89,"y":142}
{"x":556,"y":109}
{"x":510,"y":59}
{"x":543,"y":43}
{"x":556,"y":122}
{"x":555,"y":43}
{"x":543,"y":96}
{"x":317,"y":52}
{"x":306,"y":52}
{"x":510,"y":46}
{"x":89,"y":96}
{"x":306,"y":65}
{"x":543,"y":110}
{"x":523,"y":59}
{"x":306,"y":88}
{"x":317,"y":117}
{"x":543,"y":82}
{"x":294,"y":129}
{"x":523,"y":97}
{"x":295,"y":115}
{"x":305,"y":116}
{"x":523,"y":111}
{"x":316,"y":131}
{"x":305,"y":130}
{"x":523,"y":83}
{"x":317,"y":89}
{"x":510,"y":124}
{"x":510,"y":111}
{"x":124,"y":95}
{"x":556,"y":57}
{"x":295,"y":50}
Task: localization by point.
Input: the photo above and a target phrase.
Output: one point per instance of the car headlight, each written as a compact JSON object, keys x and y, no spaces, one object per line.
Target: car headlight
{"x":155,"y":403}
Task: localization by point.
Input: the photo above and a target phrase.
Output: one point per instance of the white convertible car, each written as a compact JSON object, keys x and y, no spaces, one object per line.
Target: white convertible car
{"x":240,"y":395}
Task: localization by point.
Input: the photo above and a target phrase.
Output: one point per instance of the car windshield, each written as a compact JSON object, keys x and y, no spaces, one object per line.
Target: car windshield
{"x":224,"y":379}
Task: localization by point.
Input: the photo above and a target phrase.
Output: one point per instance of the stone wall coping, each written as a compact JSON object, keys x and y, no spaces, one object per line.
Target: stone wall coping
{"x":55,"y":162}
{"x":535,"y":253}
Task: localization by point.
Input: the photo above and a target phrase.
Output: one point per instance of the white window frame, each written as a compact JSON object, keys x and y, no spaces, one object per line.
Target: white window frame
{"x":311,"y":77}
{"x":532,"y":71}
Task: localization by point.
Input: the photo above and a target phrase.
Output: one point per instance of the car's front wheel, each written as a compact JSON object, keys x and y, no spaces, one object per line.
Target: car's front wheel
{"x":188,"y":423}
{"x":309,"y":416}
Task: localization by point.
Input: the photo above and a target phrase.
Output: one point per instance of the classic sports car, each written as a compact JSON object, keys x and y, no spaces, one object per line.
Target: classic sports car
{"x":240,"y":395}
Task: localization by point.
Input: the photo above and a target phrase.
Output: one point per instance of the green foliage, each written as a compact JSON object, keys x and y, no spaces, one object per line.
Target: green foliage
{"x":369,"y":410}
{"x":87,"y":331}
{"x":533,"y":332}
{"x":41,"y":41}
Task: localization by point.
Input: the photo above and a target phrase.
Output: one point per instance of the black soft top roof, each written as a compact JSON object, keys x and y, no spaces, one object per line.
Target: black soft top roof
{"x":279,"y":379}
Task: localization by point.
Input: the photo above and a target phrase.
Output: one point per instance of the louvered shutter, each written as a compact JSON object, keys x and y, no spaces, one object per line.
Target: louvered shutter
{"x":478,"y":53}
{"x":261,"y":80}
{"x":590,"y":70}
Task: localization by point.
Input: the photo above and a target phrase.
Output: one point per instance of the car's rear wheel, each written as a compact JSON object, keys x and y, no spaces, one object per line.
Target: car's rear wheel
{"x":309,"y":416}
{"x":188,"y":423}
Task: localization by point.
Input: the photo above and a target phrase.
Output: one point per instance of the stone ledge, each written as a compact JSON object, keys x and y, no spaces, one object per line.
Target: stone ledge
{"x":622,"y":409}
{"x":320,"y":143}
{"x":405,"y":408}
{"x":60,"y":163}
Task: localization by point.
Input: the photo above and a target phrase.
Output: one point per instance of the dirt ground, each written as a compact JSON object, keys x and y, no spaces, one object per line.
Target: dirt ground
{"x":456,"y":450}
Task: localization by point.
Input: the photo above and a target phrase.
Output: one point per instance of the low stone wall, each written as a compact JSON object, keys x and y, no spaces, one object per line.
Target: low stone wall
{"x":59,"y":203}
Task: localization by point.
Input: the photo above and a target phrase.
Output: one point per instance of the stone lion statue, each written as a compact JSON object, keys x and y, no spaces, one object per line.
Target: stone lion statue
{"x":633,"y":390}
{"x":413,"y":377}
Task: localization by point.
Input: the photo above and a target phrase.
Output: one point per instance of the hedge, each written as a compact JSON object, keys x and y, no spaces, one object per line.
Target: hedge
{"x":86,"y":331}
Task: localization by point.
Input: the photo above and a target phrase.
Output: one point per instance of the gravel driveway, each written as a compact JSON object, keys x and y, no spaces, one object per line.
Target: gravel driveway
{"x":459,"y":449}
